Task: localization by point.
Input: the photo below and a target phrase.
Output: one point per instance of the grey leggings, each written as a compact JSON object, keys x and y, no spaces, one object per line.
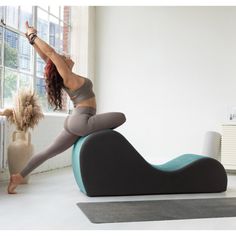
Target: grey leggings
{"x":81,"y":122}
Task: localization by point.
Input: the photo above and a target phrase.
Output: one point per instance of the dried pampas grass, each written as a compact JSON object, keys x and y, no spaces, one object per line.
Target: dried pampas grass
{"x":26,"y":112}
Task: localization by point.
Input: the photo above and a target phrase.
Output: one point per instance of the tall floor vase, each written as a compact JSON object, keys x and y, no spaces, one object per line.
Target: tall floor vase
{"x":19,"y":152}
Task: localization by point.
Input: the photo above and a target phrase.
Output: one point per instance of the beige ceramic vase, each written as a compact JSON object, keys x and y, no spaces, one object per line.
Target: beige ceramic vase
{"x":19,"y":152}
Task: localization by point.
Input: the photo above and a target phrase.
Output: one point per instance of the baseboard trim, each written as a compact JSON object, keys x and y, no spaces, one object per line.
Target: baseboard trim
{"x":5,"y":175}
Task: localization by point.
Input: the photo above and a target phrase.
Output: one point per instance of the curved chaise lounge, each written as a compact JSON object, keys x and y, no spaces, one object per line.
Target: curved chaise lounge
{"x":106,"y":164}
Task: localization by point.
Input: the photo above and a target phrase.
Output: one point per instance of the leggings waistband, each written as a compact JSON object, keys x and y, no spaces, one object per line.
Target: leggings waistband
{"x":81,"y":110}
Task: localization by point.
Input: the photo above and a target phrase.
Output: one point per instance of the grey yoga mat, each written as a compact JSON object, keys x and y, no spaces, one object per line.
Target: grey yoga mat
{"x":157,"y":210}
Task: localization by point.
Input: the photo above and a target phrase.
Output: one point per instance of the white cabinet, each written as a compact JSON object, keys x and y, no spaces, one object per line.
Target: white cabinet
{"x":228,"y":146}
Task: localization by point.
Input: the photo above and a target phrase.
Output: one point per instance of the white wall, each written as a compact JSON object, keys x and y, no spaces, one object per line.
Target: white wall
{"x":171,"y":70}
{"x":82,"y":40}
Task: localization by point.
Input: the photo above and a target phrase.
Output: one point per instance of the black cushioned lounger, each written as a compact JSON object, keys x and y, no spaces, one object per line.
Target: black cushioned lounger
{"x":106,"y":164}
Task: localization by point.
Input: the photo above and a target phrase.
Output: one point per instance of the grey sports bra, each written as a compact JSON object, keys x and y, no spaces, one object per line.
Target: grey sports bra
{"x":82,"y":93}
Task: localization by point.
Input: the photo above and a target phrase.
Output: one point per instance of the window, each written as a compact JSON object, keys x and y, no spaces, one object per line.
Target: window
{"x":19,"y":66}
{"x":1,"y":35}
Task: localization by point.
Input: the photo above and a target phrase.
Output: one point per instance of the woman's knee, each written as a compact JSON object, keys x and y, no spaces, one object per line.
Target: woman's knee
{"x":121,"y":117}
{"x":118,"y":119}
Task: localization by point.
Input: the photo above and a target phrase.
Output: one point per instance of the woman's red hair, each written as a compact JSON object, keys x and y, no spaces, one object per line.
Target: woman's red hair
{"x":54,"y":84}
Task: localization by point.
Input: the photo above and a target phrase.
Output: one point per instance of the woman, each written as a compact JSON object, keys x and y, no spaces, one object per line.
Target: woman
{"x":82,"y":121}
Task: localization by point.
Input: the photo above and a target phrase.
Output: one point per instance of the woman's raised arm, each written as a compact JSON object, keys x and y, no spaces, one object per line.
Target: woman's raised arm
{"x":41,"y":54}
{"x":48,"y":52}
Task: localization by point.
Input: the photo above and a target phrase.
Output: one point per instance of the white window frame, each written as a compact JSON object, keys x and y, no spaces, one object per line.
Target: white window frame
{"x":32,"y":73}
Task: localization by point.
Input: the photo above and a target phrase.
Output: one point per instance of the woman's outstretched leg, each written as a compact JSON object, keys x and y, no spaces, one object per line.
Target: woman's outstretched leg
{"x":62,"y":142}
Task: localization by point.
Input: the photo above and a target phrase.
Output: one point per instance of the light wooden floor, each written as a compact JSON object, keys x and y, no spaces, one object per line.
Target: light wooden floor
{"x":49,"y":202}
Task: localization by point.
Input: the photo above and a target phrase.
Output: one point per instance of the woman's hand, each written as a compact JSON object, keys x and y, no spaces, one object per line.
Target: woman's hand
{"x":29,"y":29}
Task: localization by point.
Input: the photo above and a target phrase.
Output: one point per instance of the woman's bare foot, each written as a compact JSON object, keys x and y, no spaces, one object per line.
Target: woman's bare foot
{"x":15,"y":180}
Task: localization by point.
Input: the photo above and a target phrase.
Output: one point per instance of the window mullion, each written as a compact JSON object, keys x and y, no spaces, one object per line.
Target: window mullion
{"x":18,"y":49}
{"x":35,"y":11}
{"x":48,"y":29}
{"x":3,"y":59}
{"x":18,"y":23}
